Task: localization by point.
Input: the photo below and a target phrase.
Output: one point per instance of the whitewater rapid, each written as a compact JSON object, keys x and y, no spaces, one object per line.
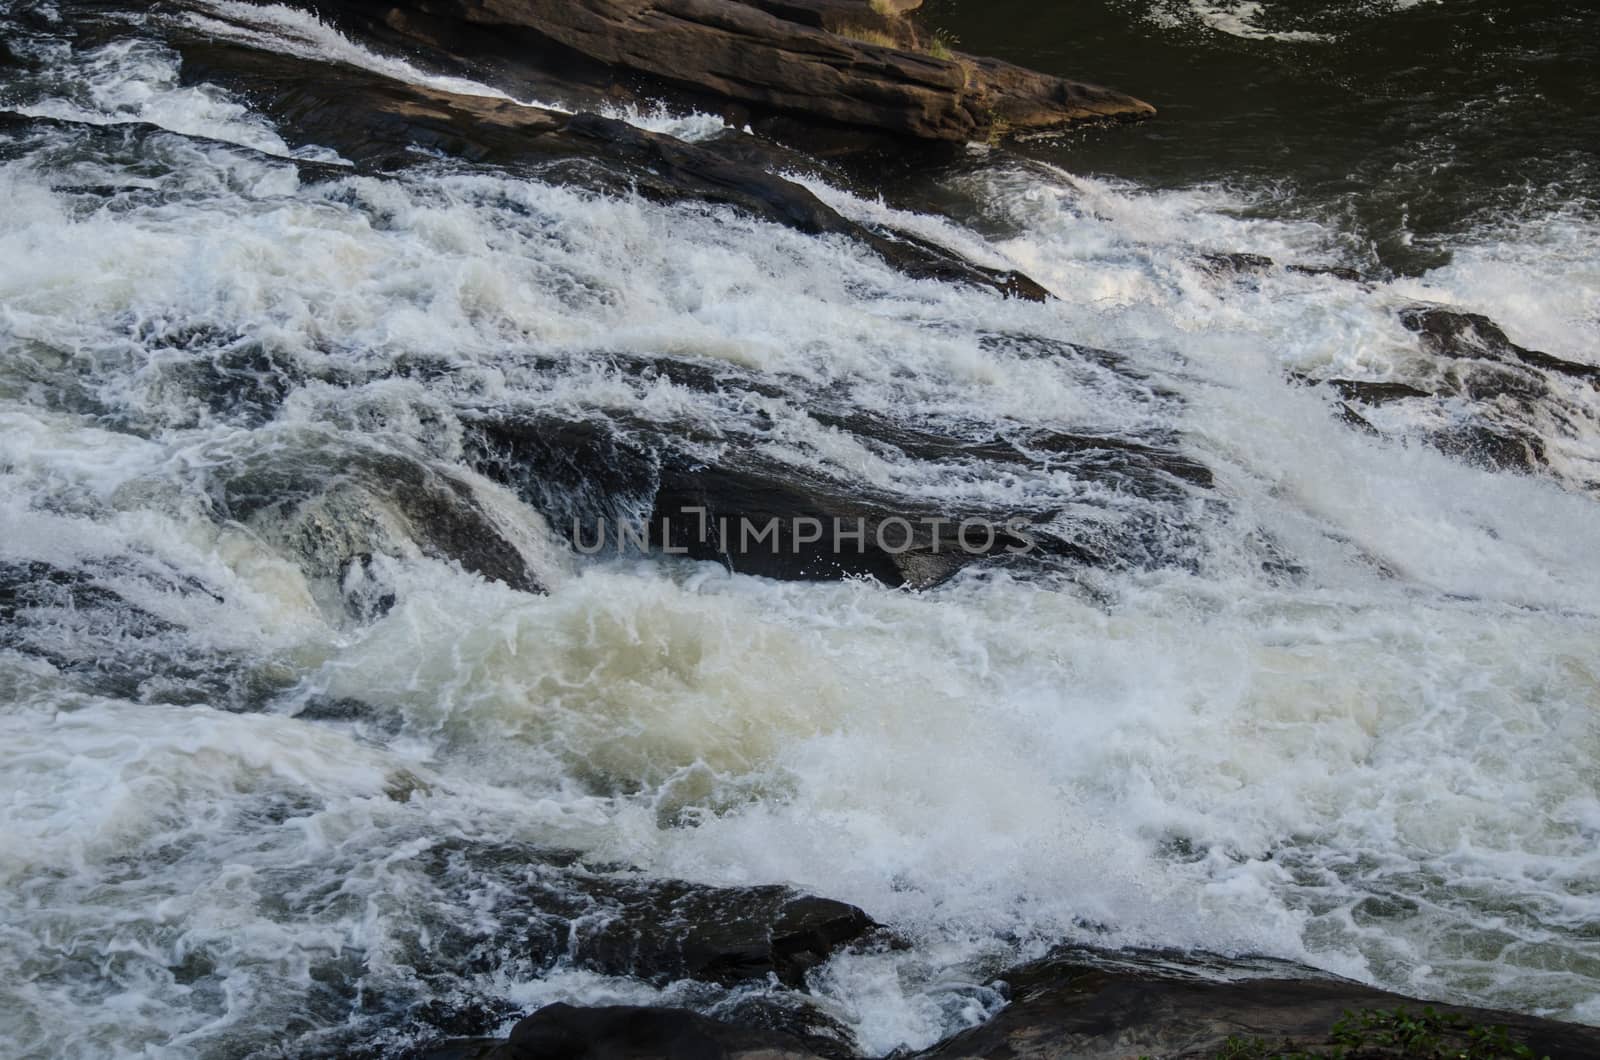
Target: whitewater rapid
{"x":1375,"y":753}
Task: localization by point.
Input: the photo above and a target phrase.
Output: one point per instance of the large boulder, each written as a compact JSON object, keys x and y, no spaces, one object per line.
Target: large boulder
{"x":1087,"y":1005}
{"x":332,"y":505}
{"x":619,"y":922}
{"x":543,"y":910}
{"x":842,"y":62}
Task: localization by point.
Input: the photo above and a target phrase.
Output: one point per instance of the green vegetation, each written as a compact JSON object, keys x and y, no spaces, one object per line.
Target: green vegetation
{"x":940,"y":46}
{"x":999,"y":128}
{"x":868,"y":36}
{"x":1394,"y":1034}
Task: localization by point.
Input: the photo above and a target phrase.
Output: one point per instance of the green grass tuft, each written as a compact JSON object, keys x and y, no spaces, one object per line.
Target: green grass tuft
{"x":868,"y":36}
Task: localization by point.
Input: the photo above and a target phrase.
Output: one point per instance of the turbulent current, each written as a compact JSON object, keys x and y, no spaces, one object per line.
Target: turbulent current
{"x":1339,"y":702}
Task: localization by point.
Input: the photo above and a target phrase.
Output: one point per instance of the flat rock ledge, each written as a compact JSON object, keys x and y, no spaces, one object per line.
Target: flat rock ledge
{"x":847,"y":63}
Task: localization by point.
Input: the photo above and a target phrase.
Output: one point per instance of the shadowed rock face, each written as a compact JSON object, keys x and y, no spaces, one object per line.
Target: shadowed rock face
{"x":333,"y":508}
{"x":820,"y":60}
{"x":1479,"y":396}
{"x":733,"y":504}
{"x":1082,"y":1004}
{"x":622,"y":923}
{"x":1087,"y":1005}
{"x":625,"y":1032}
{"x":1451,"y":333}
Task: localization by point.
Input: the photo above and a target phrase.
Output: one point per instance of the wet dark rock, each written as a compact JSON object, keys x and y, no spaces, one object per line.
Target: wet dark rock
{"x":667,"y":930}
{"x":241,"y":383}
{"x":765,"y":518}
{"x":1352,"y":418}
{"x":83,"y":622}
{"x":1496,"y":448}
{"x":1375,"y":393}
{"x":1114,"y":456}
{"x":1091,"y":1005}
{"x":1338,"y":272}
{"x":739,"y":955}
{"x":769,"y":58}
{"x":727,"y":501}
{"x":370,"y":720}
{"x":33,"y":585}
{"x":334,"y":506}
{"x":903,"y":540}
{"x":756,"y":1027}
{"x":1084,"y":1004}
{"x":1481,"y":398}
{"x":579,"y":473}
{"x":791,"y":1014}
{"x":1237,"y":262}
{"x":752,"y":513}
{"x":1451,"y":333}
{"x":619,"y":1032}
{"x":199,"y":371}
{"x":659,"y":930}
{"x":379,"y":122}
{"x":1243,"y":264}
{"x":693,"y":172}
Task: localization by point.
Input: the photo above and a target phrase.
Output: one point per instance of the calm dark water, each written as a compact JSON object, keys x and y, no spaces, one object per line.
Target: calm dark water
{"x":1407,"y":123}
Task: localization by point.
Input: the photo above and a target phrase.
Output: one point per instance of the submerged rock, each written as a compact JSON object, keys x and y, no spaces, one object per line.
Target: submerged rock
{"x":729,"y":501}
{"x":1241,"y":264}
{"x":97,"y":623}
{"x":840,"y":62}
{"x":1375,"y":392}
{"x":334,"y":506}
{"x":1480,"y":397}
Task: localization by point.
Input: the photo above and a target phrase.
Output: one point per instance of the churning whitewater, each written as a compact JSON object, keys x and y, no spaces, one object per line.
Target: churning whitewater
{"x":1344,"y":708}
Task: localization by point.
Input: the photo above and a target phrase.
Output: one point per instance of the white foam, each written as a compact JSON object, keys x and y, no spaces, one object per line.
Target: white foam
{"x":1538,"y":278}
{"x":1235,"y":18}
{"x":1242,"y":18}
{"x":136,"y":80}
{"x":1238,"y":19}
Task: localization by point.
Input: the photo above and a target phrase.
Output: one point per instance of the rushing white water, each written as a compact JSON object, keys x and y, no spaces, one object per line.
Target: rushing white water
{"x":1383,"y":765}
{"x":1243,"y":18}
